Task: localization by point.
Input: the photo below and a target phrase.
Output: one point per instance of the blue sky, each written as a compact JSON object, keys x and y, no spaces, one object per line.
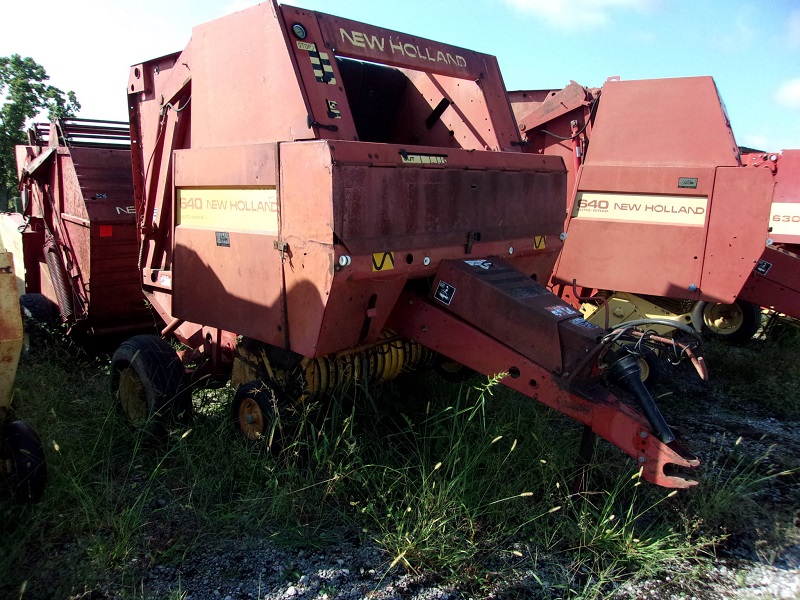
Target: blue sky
{"x":752,"y":49}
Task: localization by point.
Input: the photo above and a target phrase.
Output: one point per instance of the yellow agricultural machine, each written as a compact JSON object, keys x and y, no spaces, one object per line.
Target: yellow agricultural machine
{"x":22,"y":464}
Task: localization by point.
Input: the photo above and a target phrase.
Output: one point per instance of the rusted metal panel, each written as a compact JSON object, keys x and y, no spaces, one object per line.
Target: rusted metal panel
{"x":84,"y":196}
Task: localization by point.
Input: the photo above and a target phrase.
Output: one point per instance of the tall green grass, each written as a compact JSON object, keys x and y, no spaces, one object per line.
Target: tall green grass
{"x":469,"y":482}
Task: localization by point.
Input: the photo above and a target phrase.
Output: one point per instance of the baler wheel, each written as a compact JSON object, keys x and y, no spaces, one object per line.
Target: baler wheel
{"x":39,"y":308}
{"x":256,"y":412}
{"x":735,"y":323}
{"x":23,"y":450}
{"x":453,"y":371}
{"x":146,"y":376}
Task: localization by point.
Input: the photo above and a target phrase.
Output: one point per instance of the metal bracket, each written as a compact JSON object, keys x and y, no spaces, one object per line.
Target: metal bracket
{"x":281,"y":247}
{"x":313,"y":123}
{"x":472,"y":237}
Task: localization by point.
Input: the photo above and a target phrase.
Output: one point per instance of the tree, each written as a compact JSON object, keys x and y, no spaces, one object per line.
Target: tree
{"x":25,"y":93}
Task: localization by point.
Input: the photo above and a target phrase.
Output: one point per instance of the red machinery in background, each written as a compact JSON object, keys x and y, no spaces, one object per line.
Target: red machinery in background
{"x":775,"y":282}
{"x":662,"y":217}
{"x":321,"y":200}
{"x":79,"y":240}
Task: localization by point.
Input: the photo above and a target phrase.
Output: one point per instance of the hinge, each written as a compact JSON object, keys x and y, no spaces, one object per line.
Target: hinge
{"x":281,"y":247}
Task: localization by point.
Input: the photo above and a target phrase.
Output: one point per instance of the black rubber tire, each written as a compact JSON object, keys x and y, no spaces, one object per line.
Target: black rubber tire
{"x":748,"y":315}
{"x":39,"y":308}
{"x":23,"y":447}
{"x":453,"y":371}
{"x":146,"y":375}
{"x":258,"y":412}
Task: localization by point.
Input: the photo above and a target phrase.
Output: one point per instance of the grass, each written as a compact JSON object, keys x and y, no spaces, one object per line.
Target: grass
{"x":765,"y":373}
{"x":469,"y":482}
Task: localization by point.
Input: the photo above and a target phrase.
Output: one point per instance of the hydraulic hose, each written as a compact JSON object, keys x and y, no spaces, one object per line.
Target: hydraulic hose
{"x":668,"y":323}
{"x":627,"y":372}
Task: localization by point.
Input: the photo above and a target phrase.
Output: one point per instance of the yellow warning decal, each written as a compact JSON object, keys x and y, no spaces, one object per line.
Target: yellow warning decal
{"x":320,"y":62}
{"x":383,"y":261}
{"x":540,"y":242}
{"x":229,"y":209}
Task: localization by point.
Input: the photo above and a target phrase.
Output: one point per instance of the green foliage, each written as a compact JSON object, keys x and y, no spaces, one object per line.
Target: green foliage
{"x":25,"y":93}
{"x":465,"y":482}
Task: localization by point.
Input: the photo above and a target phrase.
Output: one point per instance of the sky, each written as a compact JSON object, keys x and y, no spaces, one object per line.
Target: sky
{"x":752,"y":49}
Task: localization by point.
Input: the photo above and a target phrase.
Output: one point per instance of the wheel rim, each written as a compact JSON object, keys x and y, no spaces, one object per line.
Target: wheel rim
{"x":251,"y":419}
{"x":644,"y":369}
{"x":132,"y":397}
{"x":723,"y":318}
{"x":450,"y":366}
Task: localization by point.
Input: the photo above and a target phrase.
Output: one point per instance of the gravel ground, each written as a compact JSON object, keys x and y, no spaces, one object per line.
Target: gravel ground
{"x":254,"y":568}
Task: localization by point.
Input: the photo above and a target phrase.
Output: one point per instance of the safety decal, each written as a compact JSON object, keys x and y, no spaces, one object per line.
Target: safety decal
{"x":763,"y":267}
{"x":423,"y":159}
{"x":483,"y":264}
{"x":445,"y":292}
{"x":383,"y":261}
{"x":540,"y":242}
{"x":333,"y":109}
{"x":583,"y":323}
{"x":223,"y":239}
{"x":561,"y":311}
{"x":321,"y":63}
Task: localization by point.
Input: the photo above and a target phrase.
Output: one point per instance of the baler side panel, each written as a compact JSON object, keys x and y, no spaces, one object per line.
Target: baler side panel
{"x":737,"y":231}
{"x":241,"y":71}
{"x":662,"y":122}
{"x":621,"y":227}
{"x":227,"y":272}
{"x":785,"y":214}
{"x":307,"y":227}
{"x":775,"y":283}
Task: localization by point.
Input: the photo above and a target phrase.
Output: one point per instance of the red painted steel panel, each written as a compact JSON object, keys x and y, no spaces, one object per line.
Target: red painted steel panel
{"x":775,"y":283}
{"x":307,"y":227}
{"x":608,"y":255}
{"x":235,"y":287}
{"x":737,"y":231}
{"x":525,"y":315}
{"x":244,"y":86}
{"x":787,"y":191}
{"x":658,"y":122}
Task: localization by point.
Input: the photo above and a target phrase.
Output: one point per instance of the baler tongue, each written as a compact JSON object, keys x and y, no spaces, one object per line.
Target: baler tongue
{"x":508,"y":323}
{"x":510,"y":306}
